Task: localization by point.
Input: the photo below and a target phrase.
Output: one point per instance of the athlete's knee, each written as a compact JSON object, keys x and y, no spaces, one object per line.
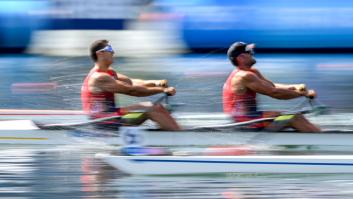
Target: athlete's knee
{"x":299,"y":116}
{"x":158,"y":108}
{"x":146,"y":104}
{"x":270,"y":114}
{"x":299,"y":119}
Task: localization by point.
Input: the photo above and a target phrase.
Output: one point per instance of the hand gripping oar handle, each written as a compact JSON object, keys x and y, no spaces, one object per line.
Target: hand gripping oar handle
{"x":68,"y":126}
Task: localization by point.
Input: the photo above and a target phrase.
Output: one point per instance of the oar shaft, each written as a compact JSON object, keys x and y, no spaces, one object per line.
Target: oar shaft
{"x":66,"y":126}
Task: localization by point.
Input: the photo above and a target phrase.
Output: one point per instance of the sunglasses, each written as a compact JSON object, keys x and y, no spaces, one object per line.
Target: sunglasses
{"x":108,"y":48}
{"x":251,"y":52}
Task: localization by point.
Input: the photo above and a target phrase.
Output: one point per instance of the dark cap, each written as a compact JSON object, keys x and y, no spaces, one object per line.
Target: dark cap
{"x":239,"y":47}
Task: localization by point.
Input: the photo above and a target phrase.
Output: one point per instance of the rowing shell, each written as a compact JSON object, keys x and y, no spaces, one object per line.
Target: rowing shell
{"x":174,"y":165}
{"x":27,"y":132}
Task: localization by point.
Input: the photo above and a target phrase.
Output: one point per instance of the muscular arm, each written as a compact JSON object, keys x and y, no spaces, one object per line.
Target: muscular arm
{"x":261,"y":86}
{"x":124,"y":78}
{"x":106,"y":83}
{"x":287,"y":86}
{"x":141,"y":82}
{"x":150,"y":83}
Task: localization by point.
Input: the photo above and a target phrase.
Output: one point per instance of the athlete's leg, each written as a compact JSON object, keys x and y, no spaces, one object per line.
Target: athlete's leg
{"x":135,"y":114}
{"x":273,"y":126}
{"x":259,"y":125}
{"x":301,"y":124}
{"x":156,"y":113}
{"x":266,"y":114}
{"x":161,"y":116}
{"x":298,"y":122}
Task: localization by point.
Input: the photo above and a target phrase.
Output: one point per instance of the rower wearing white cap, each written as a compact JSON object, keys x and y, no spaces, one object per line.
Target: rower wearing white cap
{"x":103,"y":82}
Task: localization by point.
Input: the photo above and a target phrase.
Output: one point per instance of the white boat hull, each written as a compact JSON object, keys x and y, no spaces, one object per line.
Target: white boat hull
{"x":151,"y":138}
{"x":45,"y":116}
{"x":175,"y":165}
{"x":53,"y":137}
{"x":26,"y":132}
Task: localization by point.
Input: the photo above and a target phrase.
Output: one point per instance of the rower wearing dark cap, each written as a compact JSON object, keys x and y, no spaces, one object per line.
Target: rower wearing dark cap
{"x":243,"y":84}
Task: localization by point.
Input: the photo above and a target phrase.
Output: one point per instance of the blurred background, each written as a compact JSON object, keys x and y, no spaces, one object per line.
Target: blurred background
{"x":44,"y":58}
{"x":44,"y":47}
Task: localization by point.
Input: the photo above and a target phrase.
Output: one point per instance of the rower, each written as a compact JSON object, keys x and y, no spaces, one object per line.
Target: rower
{"x":243,"y":84}
{"x":103,"y":82}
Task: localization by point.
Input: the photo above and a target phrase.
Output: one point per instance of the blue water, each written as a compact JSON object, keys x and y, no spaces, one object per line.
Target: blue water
{"x":73,"y":172}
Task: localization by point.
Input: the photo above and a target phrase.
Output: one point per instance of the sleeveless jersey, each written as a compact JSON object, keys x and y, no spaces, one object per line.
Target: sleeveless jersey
{"x":98,"y":104}
{"x":242,"y":107}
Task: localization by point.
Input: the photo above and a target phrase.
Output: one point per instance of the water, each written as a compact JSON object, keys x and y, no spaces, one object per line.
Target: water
{"x":73,"y":172}
{"x":68,"y":172}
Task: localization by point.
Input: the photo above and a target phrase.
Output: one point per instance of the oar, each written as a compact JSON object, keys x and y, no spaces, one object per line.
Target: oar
{"x":238,"y":124}
{"x":318,"y":107}
{"x":70,"y":126}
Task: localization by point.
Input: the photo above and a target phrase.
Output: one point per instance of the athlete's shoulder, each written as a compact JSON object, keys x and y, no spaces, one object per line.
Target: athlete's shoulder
{"x":100,"y":77}
{"x":111,"y":71}
{"x":248,"y":76}
{"x":254,"y":70}
{"x":245,"y":73}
